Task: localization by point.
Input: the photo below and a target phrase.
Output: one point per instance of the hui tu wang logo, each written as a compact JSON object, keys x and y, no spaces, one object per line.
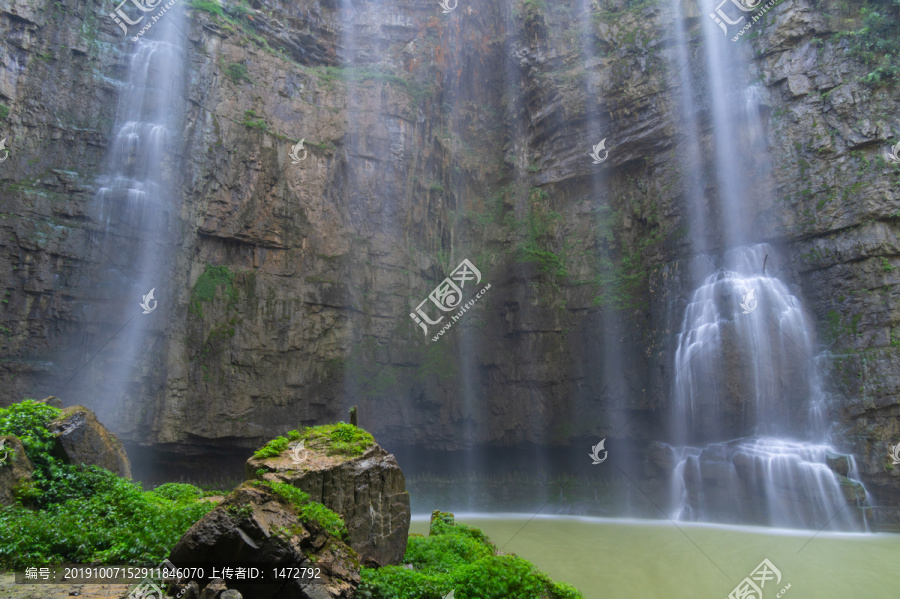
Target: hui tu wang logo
{"x":595,"y":453}
{"x":295,"y":152}
{"x":3,"y":149}
{"x":144,"y":6}
{"x":448,"y":296}
{"x":595,"y":153}
{"x":752,"y":586}
{"x":722,"y":20}
{"x":445,"y":4}
{"x":145,"y":304}
{"x":893,"y":156}
{"x":895,"y":454}
{"x":296,"y":448}
{"x":748,"y":301}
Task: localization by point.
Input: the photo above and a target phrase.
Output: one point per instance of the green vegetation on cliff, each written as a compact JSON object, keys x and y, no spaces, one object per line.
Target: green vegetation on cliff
{"x":207,"y":283}
{"x":459,"y":558}
{"x":875,"y":43}
{"x":76,"y":514}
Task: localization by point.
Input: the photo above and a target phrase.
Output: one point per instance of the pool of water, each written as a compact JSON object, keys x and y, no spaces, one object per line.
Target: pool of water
{"x":646,"y":559}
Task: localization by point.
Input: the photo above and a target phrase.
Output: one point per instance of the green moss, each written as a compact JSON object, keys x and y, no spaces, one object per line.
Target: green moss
{"x":237,"y":72}
{"x":205,"y":288}
{"x":462,"y":559}
{"x":309,"y":511}
{"x":538,"y":228}
{"x":338,"y":439}
{"x":253,"y":120}
{"x":272,"y":448}
{"x":213,"y":8}
{"x":4,"y":112}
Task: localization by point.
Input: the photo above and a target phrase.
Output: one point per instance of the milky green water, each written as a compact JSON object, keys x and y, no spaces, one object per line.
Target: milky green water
{"x":630,"y":559}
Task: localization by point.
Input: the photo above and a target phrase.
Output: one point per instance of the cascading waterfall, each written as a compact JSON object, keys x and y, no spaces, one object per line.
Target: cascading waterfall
{"x":135,"y":203}
{"x":747,"y":399}
{"x":743,"y":367}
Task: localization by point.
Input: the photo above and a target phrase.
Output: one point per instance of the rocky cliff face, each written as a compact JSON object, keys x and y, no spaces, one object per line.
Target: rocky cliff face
{"x":432,"y":138}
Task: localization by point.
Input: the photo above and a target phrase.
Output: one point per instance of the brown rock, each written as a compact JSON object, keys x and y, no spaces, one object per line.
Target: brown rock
{"x":81,"y":439}
{"x":214,"y":589}
{"x":253,"y":525}
{"x":368,"y":491}
{"x":15,"y":468}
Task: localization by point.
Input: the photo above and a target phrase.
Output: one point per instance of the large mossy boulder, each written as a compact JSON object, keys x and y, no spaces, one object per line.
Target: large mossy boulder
{"x":15,"y":468}
{"x":261,"y":523}
{"x":341,"y":467}
{"x":81,"y":439}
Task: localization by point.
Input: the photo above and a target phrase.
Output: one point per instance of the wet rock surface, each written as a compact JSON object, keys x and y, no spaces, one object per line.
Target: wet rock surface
{"x":253,"y":525}
{"x":368,"y":491}
{"x":82,"y":439}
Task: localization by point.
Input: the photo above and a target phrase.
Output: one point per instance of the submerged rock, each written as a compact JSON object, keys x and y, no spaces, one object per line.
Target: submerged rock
{"x":82,"y":439}
{"x":368,"y":491}
{"x":15,"y":468}
{"x":255,"y":525}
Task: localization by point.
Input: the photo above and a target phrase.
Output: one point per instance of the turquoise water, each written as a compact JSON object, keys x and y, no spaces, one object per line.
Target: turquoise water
{"x":645,"y":559}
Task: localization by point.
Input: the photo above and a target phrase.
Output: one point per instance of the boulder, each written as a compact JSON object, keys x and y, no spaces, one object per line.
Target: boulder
{"x":81,"y":439}
{"x":368,"y":491}
{"x":15,"y":468}
{"x":52,"y":401}
{"x":255,"y":526}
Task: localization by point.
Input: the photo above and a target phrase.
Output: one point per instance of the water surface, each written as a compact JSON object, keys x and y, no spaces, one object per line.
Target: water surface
{"x":646,"y":559}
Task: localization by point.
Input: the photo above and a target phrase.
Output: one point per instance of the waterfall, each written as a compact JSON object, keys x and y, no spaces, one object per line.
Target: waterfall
{"x":747,"y":385}
{"x":135,"y":204}
{"x":747,"y":397}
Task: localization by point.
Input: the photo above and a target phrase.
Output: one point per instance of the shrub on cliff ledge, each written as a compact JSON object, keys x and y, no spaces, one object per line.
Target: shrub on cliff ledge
{"x":462,"y":559}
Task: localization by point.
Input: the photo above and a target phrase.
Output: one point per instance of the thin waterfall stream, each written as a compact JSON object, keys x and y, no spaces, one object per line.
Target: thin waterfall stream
{"x":136,"y":203}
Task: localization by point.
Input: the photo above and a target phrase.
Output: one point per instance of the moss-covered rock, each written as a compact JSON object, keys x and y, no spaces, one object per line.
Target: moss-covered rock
{"x":342,"y":467}
{"x":15,"y":468}
{"x":256,"y":524}
{"x":82,"y":439}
